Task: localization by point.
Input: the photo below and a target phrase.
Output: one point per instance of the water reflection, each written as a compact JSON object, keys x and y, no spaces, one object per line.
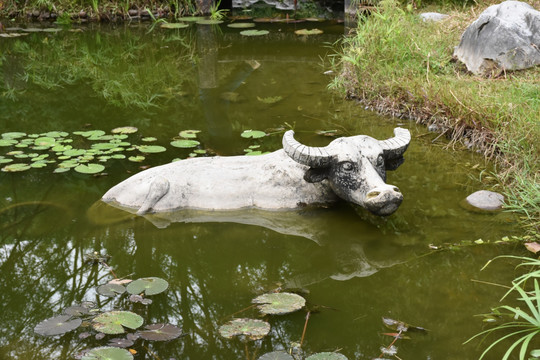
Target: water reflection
{"x":356,"y":267}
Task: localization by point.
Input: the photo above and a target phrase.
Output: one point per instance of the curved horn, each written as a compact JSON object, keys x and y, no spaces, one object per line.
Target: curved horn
{"x":306,"y":155}
{"x":396,"y":146}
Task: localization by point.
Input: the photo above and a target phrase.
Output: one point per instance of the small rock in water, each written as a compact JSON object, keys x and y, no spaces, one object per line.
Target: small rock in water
{"x":485,"y":200}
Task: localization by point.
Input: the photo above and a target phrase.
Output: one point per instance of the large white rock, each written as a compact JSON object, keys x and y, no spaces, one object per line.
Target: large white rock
{"x":505,"y":37}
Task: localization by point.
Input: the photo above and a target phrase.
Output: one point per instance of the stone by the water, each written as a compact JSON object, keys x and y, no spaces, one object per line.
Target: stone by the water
{"x":504,"y":37}
{"x":485,"y":200}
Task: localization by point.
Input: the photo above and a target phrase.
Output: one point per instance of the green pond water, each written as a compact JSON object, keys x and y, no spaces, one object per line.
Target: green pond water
{"x":352,"y":267}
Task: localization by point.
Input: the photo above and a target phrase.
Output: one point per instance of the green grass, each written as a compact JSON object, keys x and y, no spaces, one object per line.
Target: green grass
{"x":397,"y":63}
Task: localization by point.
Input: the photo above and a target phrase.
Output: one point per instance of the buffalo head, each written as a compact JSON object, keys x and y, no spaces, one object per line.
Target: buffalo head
{"x":355,"y":167}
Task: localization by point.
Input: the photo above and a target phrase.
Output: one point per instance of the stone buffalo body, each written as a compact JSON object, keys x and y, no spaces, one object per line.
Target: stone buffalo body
{"x":351,"y":168}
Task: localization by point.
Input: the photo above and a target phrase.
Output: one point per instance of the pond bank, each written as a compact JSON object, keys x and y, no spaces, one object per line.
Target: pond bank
{"x":397,"y":64}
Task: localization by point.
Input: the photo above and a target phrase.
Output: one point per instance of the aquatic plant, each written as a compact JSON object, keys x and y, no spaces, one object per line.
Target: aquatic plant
{"x":523,"y":325}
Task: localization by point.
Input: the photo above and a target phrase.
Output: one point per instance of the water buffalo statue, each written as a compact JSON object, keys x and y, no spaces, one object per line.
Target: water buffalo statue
{"x":351,"y":168}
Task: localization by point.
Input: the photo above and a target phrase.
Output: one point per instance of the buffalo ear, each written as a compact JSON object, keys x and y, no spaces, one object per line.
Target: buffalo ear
{"x":314,"y":175}
{"x":393,"y":164}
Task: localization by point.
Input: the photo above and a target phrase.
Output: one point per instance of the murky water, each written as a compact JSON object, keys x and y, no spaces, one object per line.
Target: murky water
{"x":353,"y":267}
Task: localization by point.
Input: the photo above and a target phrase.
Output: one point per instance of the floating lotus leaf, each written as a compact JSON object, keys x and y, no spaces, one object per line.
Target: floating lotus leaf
{"x":120,"y":343}
{"x":279,"y":303}
{"x":254,"y":32}
{"x":118,"y":156}
{"x":57,"y":325}
{"x":209,"y":22}
{"x":8,"y":142}
{"x":111,"y":290}
{"x":56,"y":134}
{"x":149,"y":139}
{"x":104,"y":146}
{"x":89,"y":168}
{"x":308,"y":32}
{"x":51,"y":30}
{"x":186,"y":144}
{"x":76,"y":311}
{"x":21,"y":145}
{"x":113,"y":322}
{"x":189,"y":134}
{"x":160,"y":332}
{"x":45,"y":142}
{"x":149,"y":285}
{"x":124,"y":130}
{"x":174,"y":26}
{"x":241,"y":25}
{"x":11,"y":35}
{"x":61,"y":170}
{"x":16,"y":152}
{"x":253,"y":329}
{"x":74,"y":152}
{"x":254,"y":153}
{"x":199,"y":151}
{"x":13,"y":135}
{"x":16,"y":167}
{"x":276,"y":355}
{"x":107,"y":353}
{"x":136,"y":158}
{"x":327,"y":356}
{"x":151,"y":148}
{"x":4,"y":160}
{"x":87,"y":134}
{"x":191,"y":18}
{"x":255,"y":134}
{"x":21,"y":156}
{"x":38,"y":164}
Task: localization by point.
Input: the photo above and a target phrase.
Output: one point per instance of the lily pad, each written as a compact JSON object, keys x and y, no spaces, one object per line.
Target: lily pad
{"x":17,"y":167}
{"x":104,"y":146}
{"x":308,"y":32}
{"x":209,"y":22}
{"x":189,"y":134}
{"x":89,"y":168}
{"x":279,"y":303}
{"x":253,"y":329}
{"x":107,"y":353}
{"x":8,"y":142}
{"x":57,"y":325}
{"x":276,"y":355}
{"x":151,"y":149}
{"x":254,"y":32}
{"x":55,"y":134}
{"x":4,"y":160}
{"x":136,"y":158}
{"x":327,"y":356}
{"x":148,"y":139}
{"x":91,"y":133}
{"x":74,"y":152}
{"x":174,"y":26}
{"x":76,"y":311}
{"x":124,"y":130}
{"x":160,"y":332}
{"x":241,"y":25}
{"x":111,"y":290}
{"x":255,"y":134}
{"x":13,"y":135}
{"x":186,"y":144}
{"x":120,"y":343}
{"x":113,"y":322}
{"x":191,"y":18}
{"x":149,"y":285}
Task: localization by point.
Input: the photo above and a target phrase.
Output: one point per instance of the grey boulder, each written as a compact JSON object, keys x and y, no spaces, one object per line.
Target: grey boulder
{"x":504,"y":37}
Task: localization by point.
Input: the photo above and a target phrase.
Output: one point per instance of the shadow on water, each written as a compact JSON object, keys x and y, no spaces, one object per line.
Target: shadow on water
{"x":355,"y":267}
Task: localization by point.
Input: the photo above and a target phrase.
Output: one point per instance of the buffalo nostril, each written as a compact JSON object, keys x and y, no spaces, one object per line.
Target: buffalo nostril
{"x":396,"y":189}
{"x":372,"y":194}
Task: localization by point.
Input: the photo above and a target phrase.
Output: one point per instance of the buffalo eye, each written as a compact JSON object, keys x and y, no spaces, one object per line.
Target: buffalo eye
{"x":380,"y":160}
{"x":347,"y":166}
